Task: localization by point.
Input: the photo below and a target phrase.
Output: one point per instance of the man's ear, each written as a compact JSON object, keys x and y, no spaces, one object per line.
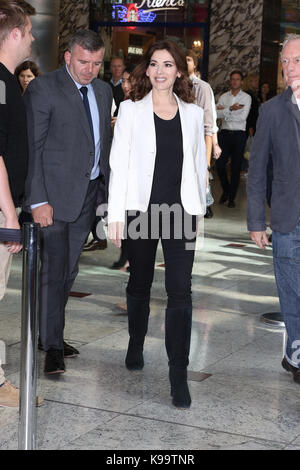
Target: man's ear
{"x":16,"y":33}
{"x":67,"y":57}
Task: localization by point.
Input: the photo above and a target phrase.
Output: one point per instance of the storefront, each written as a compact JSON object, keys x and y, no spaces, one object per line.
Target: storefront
{"x":130,"y":28}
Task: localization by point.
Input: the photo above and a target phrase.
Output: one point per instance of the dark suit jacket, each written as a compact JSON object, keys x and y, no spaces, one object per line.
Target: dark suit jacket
{"x":61,"y":149}
{"x":278,"y":135}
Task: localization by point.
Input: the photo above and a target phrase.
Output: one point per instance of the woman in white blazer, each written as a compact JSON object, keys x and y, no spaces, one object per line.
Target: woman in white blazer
{"x":157,"y":188}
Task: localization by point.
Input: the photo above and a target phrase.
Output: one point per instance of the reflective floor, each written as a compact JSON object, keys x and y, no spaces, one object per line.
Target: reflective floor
{"x":241,"y":397}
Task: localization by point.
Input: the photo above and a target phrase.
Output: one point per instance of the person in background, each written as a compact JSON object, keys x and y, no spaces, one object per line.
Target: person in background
{"x":26,"y":72}
{"x":117,"y":67}
{"x":205,"y":99}
{"x":163,"y":168}
{"x":264,"y":93}
{"x":252,"y":89}
{"x":233,"y":108}
{"x":126,"y":86}
{"x":15,"y":46}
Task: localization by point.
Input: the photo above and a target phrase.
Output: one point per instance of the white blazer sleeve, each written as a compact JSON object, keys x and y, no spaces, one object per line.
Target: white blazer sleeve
{"x":119,"y":162}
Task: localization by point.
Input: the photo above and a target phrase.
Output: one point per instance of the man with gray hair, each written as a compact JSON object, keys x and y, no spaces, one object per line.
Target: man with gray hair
{"x":278,"y":136}
{"x":69,"y":133}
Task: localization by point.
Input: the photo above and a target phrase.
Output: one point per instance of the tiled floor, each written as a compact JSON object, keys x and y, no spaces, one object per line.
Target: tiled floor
{"x":248,"y":401}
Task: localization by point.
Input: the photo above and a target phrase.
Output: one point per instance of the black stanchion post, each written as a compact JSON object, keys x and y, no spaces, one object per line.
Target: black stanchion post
{"x":29,"y":332}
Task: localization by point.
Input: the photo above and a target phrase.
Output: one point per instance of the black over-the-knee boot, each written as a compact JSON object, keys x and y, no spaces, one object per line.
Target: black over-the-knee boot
{"x":138,"y":314}
{"x":178,"y":338}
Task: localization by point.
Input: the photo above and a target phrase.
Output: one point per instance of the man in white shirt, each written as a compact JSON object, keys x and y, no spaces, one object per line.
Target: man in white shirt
{"x":233,"y":108}
{"x":117,"y":67}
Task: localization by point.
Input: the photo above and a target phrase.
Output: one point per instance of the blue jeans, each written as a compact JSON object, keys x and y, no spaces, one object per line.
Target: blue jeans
{"x":286,"y":252}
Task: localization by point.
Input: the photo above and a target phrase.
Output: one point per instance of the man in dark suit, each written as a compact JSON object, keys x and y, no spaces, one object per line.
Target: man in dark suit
{"x":69,"y":132}
{"x":278,"y":135}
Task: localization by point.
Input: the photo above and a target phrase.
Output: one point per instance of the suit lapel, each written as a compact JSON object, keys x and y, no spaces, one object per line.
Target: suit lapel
{"x":69,"y":88}
{"x":292,"y":103}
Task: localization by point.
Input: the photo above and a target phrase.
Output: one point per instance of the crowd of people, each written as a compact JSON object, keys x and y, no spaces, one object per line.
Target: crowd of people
{"x":143,"y":144}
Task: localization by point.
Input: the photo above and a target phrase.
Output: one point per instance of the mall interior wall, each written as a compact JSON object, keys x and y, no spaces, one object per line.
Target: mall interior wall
{"x":234,"y":40}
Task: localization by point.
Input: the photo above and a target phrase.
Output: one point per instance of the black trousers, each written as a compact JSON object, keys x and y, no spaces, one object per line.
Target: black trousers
{"x":232,"y":144}
{"x":179,"y":259}
{"x":61,"y":246}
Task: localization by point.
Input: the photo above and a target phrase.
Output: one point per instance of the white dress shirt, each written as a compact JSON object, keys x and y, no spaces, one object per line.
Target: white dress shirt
{"x":234,"y":120}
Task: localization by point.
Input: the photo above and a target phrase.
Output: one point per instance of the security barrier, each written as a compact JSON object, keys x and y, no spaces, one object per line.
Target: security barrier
{"x":30,"y":237}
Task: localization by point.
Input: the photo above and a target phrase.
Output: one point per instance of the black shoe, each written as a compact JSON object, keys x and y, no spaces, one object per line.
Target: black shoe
{"x":209,"y":213}
{"x":54,"y":363}
{"x":118,"y":264}
{"x":95,"y":245}
{"x":231,"y":204}
{"x":289,"y":368}
{"x":70,"y":351}
{"x":223,"y":198}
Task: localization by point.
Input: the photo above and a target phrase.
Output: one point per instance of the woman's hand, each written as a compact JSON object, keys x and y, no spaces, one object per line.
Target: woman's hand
{"x":115,"y":232}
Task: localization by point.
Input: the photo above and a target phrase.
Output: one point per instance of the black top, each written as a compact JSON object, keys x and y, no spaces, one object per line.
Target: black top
{"x":168,"y":163}
{"x":118,"y":95}
{"x":13,"y":133}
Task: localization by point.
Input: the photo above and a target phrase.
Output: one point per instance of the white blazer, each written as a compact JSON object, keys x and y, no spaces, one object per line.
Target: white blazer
{"x":132,"y":159}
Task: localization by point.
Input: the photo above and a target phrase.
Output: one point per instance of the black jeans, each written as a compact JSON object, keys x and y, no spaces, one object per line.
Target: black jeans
{"x":178,"y":256}
{"x":232,"y":144}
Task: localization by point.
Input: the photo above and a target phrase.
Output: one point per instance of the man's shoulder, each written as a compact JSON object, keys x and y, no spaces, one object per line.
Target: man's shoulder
{"x":102,"y":85}
{"x":47,"y":79}
{"x":272,"y":105}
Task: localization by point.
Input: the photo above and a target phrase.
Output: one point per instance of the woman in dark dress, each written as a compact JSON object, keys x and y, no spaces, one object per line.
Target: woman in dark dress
{"x":157,"y":189}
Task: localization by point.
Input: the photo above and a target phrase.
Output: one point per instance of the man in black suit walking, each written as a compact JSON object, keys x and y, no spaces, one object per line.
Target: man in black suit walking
{"x":69,"y":132}
{"x":278,"y":135}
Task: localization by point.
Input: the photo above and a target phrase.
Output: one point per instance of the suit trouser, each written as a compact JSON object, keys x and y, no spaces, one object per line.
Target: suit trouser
{"x":61,"y":246}
{"x":232,"y":144}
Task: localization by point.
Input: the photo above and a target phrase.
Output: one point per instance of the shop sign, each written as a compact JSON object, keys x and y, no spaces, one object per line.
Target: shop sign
{"x":130,"y":13}
{"x":160,"y":4}
{"x":135,"y":50}
{"x":143,"y":11}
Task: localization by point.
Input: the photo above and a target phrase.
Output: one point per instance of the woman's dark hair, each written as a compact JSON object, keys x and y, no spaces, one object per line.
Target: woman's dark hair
{"x":28,"y":64}
{"x":141,"y":84}
{"x":129,"y":69}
